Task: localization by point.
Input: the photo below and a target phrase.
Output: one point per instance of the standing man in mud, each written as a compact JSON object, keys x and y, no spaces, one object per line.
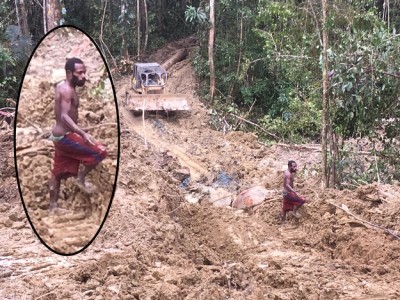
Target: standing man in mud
{"x":73,"y":146}
{"x":291,"y":200}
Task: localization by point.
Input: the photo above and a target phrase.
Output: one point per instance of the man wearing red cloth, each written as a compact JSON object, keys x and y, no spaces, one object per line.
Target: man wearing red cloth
{"x":73,"y":146}
{"x":291,"y":200}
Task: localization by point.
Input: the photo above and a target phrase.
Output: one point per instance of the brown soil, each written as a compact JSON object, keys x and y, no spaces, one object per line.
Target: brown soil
{"x":162,"y":241}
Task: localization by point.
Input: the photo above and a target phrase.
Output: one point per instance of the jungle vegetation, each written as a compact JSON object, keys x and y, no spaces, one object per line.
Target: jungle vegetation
{"x":301,"y":70}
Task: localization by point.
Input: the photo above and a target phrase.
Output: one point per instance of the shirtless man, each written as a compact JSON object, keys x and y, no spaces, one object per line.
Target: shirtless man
{"x":73,"y":146}
{"x":291,"y":200}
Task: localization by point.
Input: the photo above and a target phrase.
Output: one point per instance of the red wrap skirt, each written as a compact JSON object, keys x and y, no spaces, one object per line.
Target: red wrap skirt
{"x":290,"y":200}
{"x":72,"y":150}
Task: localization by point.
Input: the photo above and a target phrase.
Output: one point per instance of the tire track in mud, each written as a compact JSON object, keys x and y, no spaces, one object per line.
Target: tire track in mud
{"x":147,"y":133}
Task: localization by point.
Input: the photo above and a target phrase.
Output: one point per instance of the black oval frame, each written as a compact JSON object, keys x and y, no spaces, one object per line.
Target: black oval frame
{"x":118,"y":151}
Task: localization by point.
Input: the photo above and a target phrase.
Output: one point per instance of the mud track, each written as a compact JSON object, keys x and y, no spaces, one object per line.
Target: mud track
{"x":157,"y":245}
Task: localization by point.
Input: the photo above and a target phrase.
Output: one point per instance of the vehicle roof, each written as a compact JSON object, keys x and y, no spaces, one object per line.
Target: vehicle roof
{"x":149,"y":68}
{"x":147,"y":64}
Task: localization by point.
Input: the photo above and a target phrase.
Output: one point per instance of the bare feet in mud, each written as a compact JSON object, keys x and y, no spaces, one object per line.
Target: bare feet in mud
{"x":52,"y":207}
{"x":282,"y":219}
{"x":295,"y":214}
{"x":85,"y":186}
{"x":55,"y":210}
{"x":62,"y":211}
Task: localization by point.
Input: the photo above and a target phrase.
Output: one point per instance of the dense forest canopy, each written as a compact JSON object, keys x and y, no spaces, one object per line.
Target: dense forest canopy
{"x":268,"y":60}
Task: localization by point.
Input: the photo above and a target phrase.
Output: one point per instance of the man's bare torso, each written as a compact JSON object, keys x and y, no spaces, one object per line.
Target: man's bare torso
{"x":288,"y":178}
{"x":66,"y":96}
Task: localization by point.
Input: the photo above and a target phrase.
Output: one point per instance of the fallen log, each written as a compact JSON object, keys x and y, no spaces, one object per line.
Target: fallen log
{"x":344,"y":208}
{"x":180,"y":55}
{"x":33,"y":151}
{"x":37,"y":128}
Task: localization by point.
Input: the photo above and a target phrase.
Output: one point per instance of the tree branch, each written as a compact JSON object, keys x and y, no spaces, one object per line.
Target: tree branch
{"x":254,"y":124}
{"x":316,"y":21}
{"x":278,"y":55}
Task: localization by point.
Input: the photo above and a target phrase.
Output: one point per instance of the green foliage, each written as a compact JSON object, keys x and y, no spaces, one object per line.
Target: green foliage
{"x":290,"y":51}
{"x":119,"y":28}
{"x":6,"y":57}
{"x":200,"y":64}
{"x":389,"y":140}
{"x":353,"y":171}
{"x":193,"y":15}
{"x":362,"y":92}
{"x":14,"y":52}
{"x":298,"y":121}
{"x":381,"y":165}
{"x":235,"y":41}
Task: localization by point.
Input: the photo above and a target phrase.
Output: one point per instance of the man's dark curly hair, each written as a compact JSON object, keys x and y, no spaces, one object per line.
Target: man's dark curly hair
{"x":290,"y":163}
{"x":70,"y":64}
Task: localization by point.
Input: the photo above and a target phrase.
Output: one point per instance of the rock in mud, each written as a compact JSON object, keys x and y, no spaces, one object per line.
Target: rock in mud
{"x":18,"y":225}
{"x":181,"y":174}
{"x":16,"y":217}
{"x":253,"y":197}
{"x":6,"y":222}
{"x":4,"y":207}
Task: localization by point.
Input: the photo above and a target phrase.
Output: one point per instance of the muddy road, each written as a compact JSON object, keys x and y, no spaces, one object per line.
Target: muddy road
{"x":172,"y":237}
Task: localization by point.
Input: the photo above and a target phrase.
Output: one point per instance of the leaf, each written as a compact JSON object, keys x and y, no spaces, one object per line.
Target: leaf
{"x":349,"y":86}
{"x":344,"y":87}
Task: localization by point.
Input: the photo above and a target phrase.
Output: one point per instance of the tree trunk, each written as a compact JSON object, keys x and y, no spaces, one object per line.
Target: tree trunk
{"x":138,"y":27}
{"x":52,"y":15}
{"x":211,"y":49}
{"x":334,"y":151}
{"x":160,"y":11}
{"x":124,"y":47}
{"x":146,"y":37}
{"x":229,"y":99}
{"x":44,"y":17}
{"x":325,"y":100}
{"x":22,"y":17}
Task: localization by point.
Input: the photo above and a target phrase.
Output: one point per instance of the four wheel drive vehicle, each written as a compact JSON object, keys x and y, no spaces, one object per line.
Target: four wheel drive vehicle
{"x":148,"y":83}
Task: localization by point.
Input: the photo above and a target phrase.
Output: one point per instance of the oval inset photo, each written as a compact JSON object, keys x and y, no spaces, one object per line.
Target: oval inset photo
{"x":67,"y":140}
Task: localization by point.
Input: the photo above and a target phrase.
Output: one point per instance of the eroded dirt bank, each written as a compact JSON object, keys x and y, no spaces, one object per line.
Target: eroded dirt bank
{"x":156,"y":244}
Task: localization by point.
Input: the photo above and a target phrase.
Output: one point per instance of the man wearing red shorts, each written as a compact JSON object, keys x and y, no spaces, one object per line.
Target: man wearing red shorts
{"x":73,"y":146}
{"x":291,"y":199}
